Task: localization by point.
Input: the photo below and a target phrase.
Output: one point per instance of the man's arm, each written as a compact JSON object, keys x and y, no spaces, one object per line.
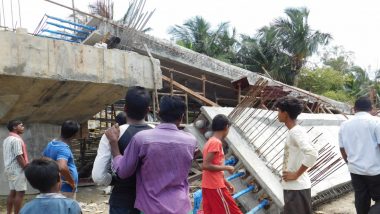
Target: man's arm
{"x":125,"y":165}
{"x":102,"y":163}
{"x":21,"y":161}
{"x":289,"y":176}
{"x":207,"y":164}
{"x":64,"y":170}
{"x":344,"y":154}
{"x":377,"y":132}
{"x":310,"y":157}
{"x":17,"y":149}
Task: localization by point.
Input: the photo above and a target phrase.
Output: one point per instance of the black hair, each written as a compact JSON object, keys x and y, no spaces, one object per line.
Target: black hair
{"x":42,"y":174}
{"x":12,"y":124}
{"x":69,"y":128}
{"x":291,"y":105}
{"x":121,"y":118}
{"x":220,"y":122}
{"x":171,"y":109}
{"x":137,"y":102}
{"x":363,"y":104}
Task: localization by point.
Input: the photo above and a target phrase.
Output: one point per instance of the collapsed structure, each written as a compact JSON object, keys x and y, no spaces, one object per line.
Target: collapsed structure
{"x":73,"y":79}
{"x":44,"y":82}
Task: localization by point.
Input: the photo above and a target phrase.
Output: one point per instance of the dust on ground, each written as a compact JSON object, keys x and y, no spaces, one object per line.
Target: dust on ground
{"x":93,"y":199}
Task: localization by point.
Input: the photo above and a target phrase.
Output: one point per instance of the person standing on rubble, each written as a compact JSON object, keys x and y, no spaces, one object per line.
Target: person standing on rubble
{"x":15,"y":161}
{"x":123,"y":194}
{"x":299,"y":155}
{"x":59,"y":150}
{"x":161,"y":158}
{"x":359,"y":142}
{"x":216,"y":190}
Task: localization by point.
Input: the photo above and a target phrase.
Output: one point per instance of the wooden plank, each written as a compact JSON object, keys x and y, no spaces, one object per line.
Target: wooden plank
{"x":190,"y":92}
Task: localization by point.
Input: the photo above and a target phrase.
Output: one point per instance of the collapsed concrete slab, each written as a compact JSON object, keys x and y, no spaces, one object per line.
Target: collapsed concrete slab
{"x":173,"y":56}
{"x":44,"y":82}
{"x":259,"y":147}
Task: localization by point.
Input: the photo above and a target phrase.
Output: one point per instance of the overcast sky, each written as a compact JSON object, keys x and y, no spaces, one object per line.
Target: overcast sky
{"x":353,"y":24}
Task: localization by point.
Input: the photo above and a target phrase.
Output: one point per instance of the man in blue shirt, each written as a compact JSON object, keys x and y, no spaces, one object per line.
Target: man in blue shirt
{"x":43,"y":174}
{"x":359,"y":141}
{"x":59,"y":150}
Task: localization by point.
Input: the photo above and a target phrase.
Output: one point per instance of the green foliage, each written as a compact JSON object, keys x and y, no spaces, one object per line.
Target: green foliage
{"x":321,"y":80}
{"x":197,"y":35}
{"x":339,"y":96}
{"x":282,"y":48}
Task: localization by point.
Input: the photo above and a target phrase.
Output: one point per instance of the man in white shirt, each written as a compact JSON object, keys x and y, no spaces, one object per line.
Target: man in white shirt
{"x":359,"y":141}
{"x":123,"y":194}
{"x":299,"y":155}
{"x":15,"y":160}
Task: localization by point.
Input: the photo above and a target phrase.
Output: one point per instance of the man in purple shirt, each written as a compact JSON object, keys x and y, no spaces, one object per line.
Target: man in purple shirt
{"x":161,"y":158}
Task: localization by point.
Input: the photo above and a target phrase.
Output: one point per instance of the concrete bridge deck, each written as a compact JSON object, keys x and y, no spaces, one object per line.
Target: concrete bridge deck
{"x":44,"y":82}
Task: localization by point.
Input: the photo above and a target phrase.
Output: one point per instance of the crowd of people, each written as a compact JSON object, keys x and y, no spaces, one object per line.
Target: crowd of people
{"x":148,"y":166}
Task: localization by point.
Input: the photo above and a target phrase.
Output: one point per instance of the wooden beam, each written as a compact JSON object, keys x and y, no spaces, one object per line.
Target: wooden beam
{"x":190,"y":92}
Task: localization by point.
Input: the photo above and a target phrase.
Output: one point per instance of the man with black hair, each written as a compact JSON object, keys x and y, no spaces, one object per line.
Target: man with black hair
{"x":59,"y":150}
{"x":216,"y":190}
{"x":121,"y":118}
{"x":43,"y":174}
{"x":123,"y":194}
{"x":359,"y":141}
{"x":15,"y":160}
{"x":161,"y":158}
{"x":299,"y":155}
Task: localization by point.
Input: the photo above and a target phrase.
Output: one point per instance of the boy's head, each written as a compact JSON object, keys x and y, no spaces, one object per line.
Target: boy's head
{"x":172,"y":109}
{"x":16,"y":126}
{"x":121,"y":118}
{"x":137,"y":102}
{"x":69,"y":128}
{"x":221,"y":123}
{"x":363,"y":104}
{"x":288,"y":108}
{"x":43,"y":174}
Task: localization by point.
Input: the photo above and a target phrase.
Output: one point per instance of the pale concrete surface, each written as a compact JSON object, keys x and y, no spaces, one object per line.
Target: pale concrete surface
{"x":48,"y":81}
{"x":328,"y":124}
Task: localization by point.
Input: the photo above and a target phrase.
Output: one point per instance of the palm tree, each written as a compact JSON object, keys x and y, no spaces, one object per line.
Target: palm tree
{"x":296,"y":38}
{"x":262,"y":54}
{"x":197,"y":35}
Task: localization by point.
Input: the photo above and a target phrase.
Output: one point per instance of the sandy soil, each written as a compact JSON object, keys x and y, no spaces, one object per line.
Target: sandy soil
{"x":93,"y":200}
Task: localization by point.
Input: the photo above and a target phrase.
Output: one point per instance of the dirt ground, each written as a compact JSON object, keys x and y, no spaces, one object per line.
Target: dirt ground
{"x":93,"y":200}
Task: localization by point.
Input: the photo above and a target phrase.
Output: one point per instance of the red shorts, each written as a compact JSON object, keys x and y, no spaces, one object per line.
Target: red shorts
{"x":219,"y":201}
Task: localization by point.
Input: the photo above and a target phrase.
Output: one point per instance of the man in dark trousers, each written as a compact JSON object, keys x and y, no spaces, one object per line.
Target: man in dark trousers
{"x":123,"y":194}
{"x":359,"y":141}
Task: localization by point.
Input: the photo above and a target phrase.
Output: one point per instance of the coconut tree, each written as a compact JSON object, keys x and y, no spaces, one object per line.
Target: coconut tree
{"x":262,"y":54}
{"x":296,"y":38}
{"x":197,"y":35}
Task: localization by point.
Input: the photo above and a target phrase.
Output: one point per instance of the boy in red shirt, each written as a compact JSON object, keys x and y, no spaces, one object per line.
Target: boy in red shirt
{"x":216,"y":191}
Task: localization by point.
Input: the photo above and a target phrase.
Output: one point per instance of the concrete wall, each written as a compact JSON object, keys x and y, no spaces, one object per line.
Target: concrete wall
{"x":36,"y":137}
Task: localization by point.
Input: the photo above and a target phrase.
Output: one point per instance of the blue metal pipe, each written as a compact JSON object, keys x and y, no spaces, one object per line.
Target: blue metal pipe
{"x":50,"y":37}
{"x":231,"y":161}
{"x":259,"y":207}
{"x":236,"y":175}
{"x":197,"y":195}
{"x":244,"y":191}
{"x":68,"y":28}
{"x":72,"y":23}
{"x":63,"y":34}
